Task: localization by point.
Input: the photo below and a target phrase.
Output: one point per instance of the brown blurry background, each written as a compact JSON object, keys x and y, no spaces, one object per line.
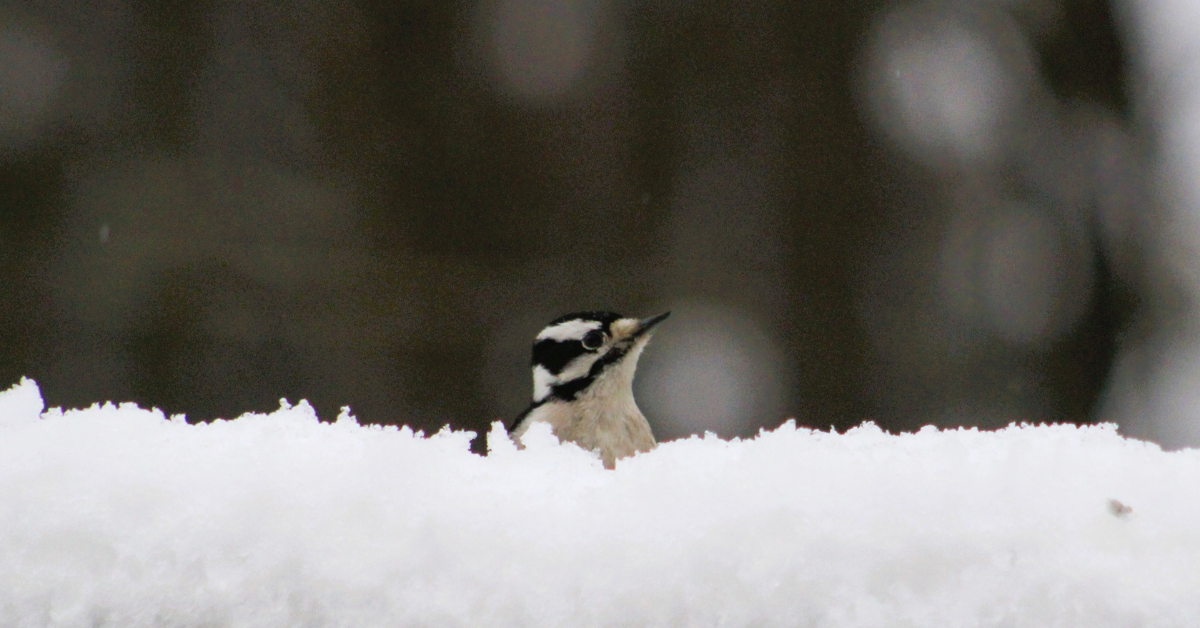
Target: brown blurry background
{"x":963,"y":213}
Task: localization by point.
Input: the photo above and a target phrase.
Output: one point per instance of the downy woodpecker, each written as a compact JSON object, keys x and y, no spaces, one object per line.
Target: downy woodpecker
{"x":583,"y":366}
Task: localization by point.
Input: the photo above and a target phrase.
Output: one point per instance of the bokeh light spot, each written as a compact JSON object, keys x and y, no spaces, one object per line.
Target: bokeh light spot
{"x":541,"y":47}
{"x":711,"y":370}
{"x":943,"y":85}
{"x":1015,"y":271}
{"x":31,"y":71}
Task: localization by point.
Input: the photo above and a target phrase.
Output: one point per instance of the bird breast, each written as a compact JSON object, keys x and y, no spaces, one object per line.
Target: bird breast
{"x":603,"y":417}
{"x":597,"y":420}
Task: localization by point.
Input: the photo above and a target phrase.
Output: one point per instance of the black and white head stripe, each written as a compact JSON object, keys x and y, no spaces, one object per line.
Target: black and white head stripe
{"x":568,"y":348}
{"x":574,"y":349}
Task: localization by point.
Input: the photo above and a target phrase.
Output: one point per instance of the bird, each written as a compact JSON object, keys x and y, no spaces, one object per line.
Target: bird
{"x":583,"y":367}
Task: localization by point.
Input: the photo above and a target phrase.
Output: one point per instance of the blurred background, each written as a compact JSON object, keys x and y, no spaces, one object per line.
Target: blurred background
{"x":958,"y":213}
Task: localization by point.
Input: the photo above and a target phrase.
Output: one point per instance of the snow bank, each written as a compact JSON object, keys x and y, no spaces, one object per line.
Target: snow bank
{"x":117,"y":516}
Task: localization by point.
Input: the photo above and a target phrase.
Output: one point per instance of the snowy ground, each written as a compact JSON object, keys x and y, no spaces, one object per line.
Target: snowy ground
{"x":117,"y":516}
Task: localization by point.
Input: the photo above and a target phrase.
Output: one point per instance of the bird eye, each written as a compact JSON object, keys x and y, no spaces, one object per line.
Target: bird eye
{"x":593,"y":339}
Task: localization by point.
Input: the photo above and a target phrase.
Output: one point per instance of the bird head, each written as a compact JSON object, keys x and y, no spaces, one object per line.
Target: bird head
{"x":577,"y":351}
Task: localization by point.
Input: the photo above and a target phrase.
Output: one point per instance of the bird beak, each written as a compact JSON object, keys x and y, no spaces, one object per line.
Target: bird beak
{"x":646,"y":324}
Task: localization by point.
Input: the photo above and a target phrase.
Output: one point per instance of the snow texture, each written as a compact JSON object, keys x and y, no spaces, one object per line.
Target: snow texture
{"x":118,"y":516}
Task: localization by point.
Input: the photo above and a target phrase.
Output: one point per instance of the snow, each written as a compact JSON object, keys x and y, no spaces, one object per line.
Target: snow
{"x":119,"y":516}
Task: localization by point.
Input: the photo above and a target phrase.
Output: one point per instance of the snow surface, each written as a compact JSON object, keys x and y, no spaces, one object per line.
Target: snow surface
{"x":118,"y":516}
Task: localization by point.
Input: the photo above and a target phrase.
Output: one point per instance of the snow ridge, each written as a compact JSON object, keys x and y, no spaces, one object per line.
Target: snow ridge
{"x":119,"y":516}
